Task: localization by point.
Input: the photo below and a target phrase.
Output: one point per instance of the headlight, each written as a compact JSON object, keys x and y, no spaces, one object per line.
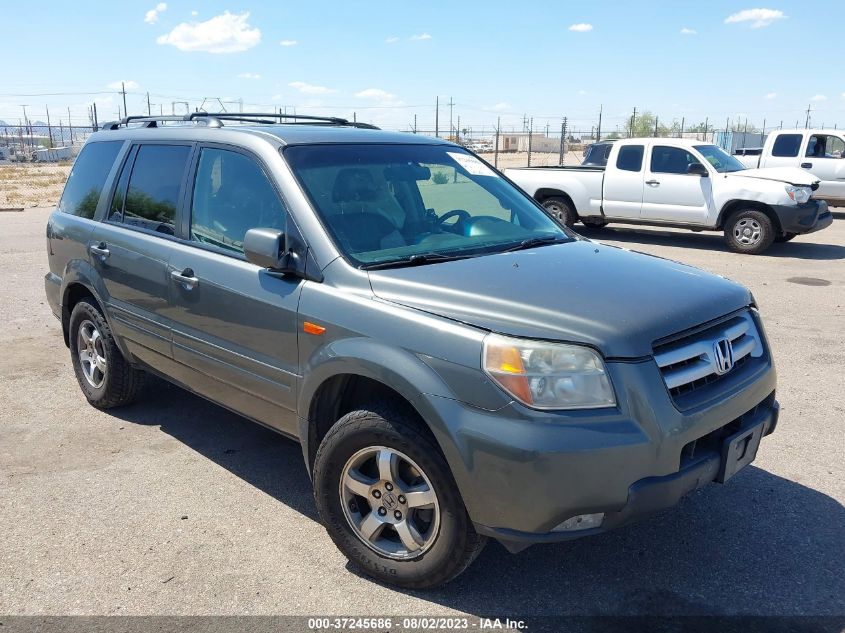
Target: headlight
{"x":548,"y":375}
{"x":799,"y":194}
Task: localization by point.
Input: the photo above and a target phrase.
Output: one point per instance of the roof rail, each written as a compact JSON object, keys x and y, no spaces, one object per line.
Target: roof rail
{"x":215,"y":119}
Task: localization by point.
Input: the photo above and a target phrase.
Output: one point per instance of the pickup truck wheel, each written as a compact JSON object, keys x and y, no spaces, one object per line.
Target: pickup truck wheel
{"x":749,"y":231}
{"x":388,"y":500}
{"x":560,"y":210}
{"x":785,"y":237}
{"x":594,"y":224}
{"x":104,"y":376}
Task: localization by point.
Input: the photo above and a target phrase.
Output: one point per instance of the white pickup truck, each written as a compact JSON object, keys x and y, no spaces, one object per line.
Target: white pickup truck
{"x":681,"y":183}
{"x":821,"y":152}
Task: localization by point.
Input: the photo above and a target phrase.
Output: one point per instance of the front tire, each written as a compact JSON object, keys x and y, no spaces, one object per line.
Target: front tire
{"x":104,"y":376}
{"x":749,"y":231}
{"x":388,"y":500}
{"x":561,"y":210}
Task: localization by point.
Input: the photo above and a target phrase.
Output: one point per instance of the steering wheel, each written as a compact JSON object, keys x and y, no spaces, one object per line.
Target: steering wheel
{"x":458,"y":213}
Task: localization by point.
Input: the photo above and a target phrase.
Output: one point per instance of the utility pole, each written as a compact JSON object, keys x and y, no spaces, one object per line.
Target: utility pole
{"x":49,"y":127}
{"x":451,"y":106}
{"x":807,"y":121}
{"x":633,"y":121}
{"x":123,"y":90}
{"x":598,"y":127}
{"x":530,"y":134}
{"x":706,"y":123}
{"x":496,"y":145}
{"x":69,"y":127}
{"x":415,"y":124}
{"x":61,"y":132}
{"x":683,"y":121}
{"x":656,"y":119}
{"x":149,"y":109}
{"x":458,"y":130}
{"x":437,"y":117}
{"x":96,"y":122}
{"x":764,"y":128}
{"x":562,"y":132}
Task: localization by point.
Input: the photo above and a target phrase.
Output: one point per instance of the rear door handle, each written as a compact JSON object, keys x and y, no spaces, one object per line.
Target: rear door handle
{"x":100,"y":250}
{"x":653,"y":183}
{"x":806,"y":165}
{"x":186,"y":278}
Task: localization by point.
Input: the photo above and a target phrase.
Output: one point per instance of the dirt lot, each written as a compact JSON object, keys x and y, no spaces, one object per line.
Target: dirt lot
{"x":175,"y":506}
{"x":31,"y":185}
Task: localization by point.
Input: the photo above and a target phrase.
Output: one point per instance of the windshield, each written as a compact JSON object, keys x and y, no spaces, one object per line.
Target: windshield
{"x":415,"y":203}
{"x":720,"y":159}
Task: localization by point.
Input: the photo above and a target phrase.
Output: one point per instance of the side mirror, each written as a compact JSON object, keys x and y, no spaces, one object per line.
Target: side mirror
{"x":265,"y":248}
{"x":697,"y":169}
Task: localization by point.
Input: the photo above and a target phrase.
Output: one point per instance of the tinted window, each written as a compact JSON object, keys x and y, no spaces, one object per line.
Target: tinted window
{"x":824,"y":146}
{"x":116,"y":207}
{"x":232,"y":195}
{"x":787,"y":145}
{"x":630,"y":157}
{"x":154,"y":187}
{"x":88,"y":177}
{"x":671,"y":160}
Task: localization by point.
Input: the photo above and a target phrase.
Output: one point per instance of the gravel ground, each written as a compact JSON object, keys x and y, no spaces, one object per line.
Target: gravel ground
{"x":176,"y":506}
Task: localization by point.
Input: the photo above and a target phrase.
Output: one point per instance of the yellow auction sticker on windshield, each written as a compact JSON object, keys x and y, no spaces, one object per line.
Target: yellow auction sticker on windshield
{"x":471,"y":164}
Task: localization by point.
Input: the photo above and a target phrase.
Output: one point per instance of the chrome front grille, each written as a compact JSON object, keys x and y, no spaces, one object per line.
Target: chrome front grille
{"x":696,"y":360}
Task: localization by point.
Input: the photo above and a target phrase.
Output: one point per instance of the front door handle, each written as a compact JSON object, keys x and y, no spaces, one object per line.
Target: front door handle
{"x":653,"y":183}
{"x":100,"y":250}
{"x":806,"y":165}
{"x":186,"y":278}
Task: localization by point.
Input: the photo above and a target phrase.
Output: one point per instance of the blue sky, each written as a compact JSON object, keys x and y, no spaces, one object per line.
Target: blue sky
{"x":387,"y":61}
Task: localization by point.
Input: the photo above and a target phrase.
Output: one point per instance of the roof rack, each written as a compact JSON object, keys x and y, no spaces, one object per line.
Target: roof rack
{"x":216,"y":119}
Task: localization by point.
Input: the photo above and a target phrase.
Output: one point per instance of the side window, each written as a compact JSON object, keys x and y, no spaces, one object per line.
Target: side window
{"x":88,"y":177}
{"x":153,"y":193}
{"x":787,"y":145}
{"x":824,"y":146}
{"x":630,"y":157}
{"x":119,"y":198}
{"x":671,"y":160}
{"x":232,"y":195}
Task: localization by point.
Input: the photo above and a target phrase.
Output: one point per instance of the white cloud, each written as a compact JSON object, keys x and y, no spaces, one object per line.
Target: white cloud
{"x":195,"y":13}
{"x":421,"y":37}
{"x":288,"y":43}
{"x":392,"y":39}
{"x":818,"y":98}
{"x":770,"y":95}
{"x":249,"y":76}
{"x":225,"y":33}
{"x":581,"y":27}
{"x":124,"y":83}
{"x":310,"y":89}
{"x":686,"y":31}
{"x":758,"y":17}
{"x":151,"y":17}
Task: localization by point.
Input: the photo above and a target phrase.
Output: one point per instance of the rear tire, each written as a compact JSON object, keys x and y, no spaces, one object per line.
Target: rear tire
{"x":561,"y":210}
{"x":749,"y":231}
{"x":593,"y":223}
{"x":367,"y":460}
{"x":785,"y":237}
{"x":104,"y":376}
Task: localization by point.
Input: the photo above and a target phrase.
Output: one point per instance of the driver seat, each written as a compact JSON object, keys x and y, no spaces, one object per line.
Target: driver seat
{"x":360,"y":224}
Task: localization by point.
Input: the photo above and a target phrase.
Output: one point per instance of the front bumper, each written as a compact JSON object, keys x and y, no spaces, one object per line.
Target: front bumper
{"x":521,"y":472}
{"x":804,"y":218}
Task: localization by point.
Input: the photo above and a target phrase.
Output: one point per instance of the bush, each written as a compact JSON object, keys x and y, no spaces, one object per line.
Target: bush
{"x":439,"y":178}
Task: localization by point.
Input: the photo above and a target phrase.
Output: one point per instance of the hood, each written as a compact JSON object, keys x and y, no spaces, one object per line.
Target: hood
{"x":787,"y":175}
{"x":584,"y":292}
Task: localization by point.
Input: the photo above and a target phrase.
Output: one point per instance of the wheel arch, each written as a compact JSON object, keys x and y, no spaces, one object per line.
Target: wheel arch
{"x":732,"y":206}
{"x":544,"y":193}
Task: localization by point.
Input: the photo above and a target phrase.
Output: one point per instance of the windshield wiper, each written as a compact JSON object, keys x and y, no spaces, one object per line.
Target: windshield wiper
{"x":533,"y":242}
{"x":415,"y":260}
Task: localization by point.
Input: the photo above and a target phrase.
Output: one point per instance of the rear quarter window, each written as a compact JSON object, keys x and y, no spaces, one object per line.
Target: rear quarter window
{"x":88,"y":177}
{"x":787,"y":145}
{"x":630,"y":157}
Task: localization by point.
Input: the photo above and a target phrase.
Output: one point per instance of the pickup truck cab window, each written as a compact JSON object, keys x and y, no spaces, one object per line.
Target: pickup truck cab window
{"x":154,"y":184}
{"x":231,"y":195}
{"x":787,"y":145}
{"x":719,"y":159}
{"x":630,"y":158}
{"x":88,"y":177}
{"x":392,"y":203}
{"x":825,"y":146}
{"x":671,"y":160}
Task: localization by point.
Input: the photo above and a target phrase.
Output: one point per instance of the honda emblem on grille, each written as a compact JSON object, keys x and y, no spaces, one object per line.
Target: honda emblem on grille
{"x":723,"y":355}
